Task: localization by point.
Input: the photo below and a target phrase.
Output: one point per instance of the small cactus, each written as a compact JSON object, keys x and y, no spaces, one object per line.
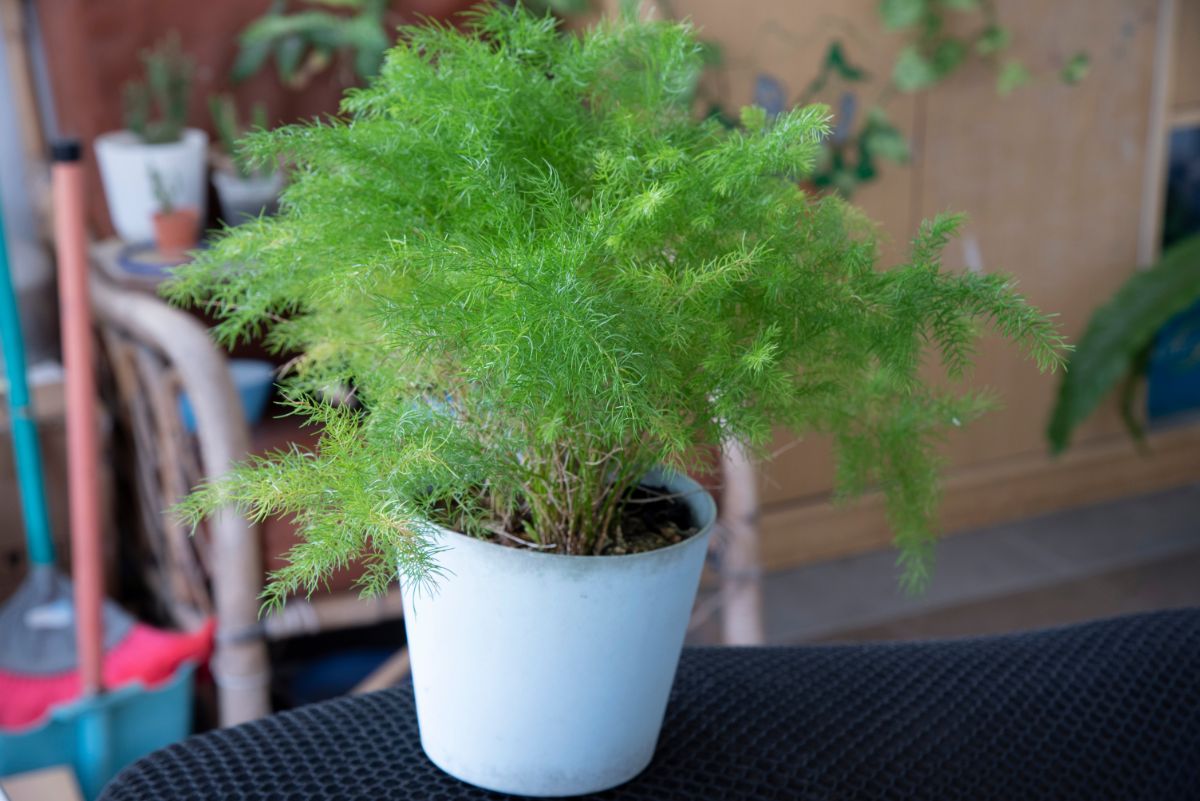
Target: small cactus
{"x":155,"y":107}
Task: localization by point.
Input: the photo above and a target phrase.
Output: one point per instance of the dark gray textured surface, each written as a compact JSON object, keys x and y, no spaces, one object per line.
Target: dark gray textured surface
{"x":1105,"y":710}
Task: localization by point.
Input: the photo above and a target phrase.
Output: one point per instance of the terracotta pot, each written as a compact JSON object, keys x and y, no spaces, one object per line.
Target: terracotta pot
{"x":176,"y":233}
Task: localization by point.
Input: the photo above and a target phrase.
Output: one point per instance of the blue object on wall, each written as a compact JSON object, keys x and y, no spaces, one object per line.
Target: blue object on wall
{"x":254,"y":381}
{"x":1173,"y":373}
{"x":769,"y":94}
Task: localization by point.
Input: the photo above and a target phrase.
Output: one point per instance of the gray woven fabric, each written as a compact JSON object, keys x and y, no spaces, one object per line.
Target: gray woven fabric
{"x":1106,"y":710}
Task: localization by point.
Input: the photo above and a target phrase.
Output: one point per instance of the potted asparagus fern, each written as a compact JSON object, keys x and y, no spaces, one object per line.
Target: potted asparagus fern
{"x":155,"y":140}
{"x":550,"y":289}
{"x":244,"y":190}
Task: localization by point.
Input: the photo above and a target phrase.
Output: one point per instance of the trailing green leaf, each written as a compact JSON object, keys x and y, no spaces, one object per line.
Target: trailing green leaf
{"x":1121,"y":330}
{"x":1012,"y":76}
{"x":902,"y":13}
{"x":913,"y":71}
{"x":1076,"y":69}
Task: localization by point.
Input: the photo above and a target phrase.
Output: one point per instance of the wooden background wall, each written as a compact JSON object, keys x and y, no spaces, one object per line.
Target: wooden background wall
{"x":1052,"y":179}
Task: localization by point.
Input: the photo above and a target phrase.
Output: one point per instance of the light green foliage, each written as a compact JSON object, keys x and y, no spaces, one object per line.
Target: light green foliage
{"x":1013,"y":75}
{"x":305,"y":40}
{"x":1076,"y":69}
{"x":913,"y":71}
{"x":1119,"y":333}
{"x":229,"y":130}
{"x":899,"y":14}
{"x":935,"y":52}
{"x":542,"y":276}
{"x":155,"y":108}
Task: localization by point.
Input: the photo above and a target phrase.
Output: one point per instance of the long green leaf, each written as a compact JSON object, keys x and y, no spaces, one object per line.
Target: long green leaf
{"x":1120,"y":330}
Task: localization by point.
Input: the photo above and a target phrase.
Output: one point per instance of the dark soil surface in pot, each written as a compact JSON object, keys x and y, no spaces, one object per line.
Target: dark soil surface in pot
{"x":653,"y":518}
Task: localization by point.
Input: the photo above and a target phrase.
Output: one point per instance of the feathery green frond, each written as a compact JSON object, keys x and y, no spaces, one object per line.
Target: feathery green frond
{"x":542,"y":276}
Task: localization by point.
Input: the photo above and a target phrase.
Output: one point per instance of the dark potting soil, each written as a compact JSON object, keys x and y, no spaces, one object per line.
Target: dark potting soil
{"x":651,"y":518}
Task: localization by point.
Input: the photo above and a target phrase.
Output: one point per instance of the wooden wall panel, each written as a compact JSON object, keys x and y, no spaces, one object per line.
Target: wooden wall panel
{"x":1051,"y":177}
{"x":1185,"y":80}
{"x":787,"y":42}
{"x":1013,"y":489}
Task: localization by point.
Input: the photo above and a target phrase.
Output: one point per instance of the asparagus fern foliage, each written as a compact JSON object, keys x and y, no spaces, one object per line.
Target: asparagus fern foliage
{"x":541,"y":276}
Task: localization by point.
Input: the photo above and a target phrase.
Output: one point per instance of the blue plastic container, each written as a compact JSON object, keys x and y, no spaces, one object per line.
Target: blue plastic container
{"x":254,"y":381}
{"x":99,"y":736}
{"x":1173,"y":374}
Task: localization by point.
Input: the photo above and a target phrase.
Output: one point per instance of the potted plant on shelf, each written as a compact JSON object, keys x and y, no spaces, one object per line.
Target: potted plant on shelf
{"x":175,"y":226}
{"x":155,"y":139}
{"x":244,"y":190}
{"x":550,"y":288}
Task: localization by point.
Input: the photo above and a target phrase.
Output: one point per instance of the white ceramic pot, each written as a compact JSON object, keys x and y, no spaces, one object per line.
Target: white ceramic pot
{"x":125,"y":163}
{"x":242,"y":199}
{"x":548,"y":675}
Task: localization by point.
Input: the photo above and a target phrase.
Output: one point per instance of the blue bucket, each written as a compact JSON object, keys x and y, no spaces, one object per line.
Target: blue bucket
{"x":99,"y":736}
{"x":254,"y":381}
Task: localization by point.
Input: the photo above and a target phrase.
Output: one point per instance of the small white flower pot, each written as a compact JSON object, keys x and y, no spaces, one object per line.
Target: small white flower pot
{"x":547,"y":675}
{"x":126,"y":162}
{"x":244,"y":199}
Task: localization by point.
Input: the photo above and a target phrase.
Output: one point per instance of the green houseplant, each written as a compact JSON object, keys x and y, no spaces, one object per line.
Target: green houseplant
{"x":156,"y":139}
{"x":244,"y":190}
{"x":550,"y":287}
{"x":1115,"y":348}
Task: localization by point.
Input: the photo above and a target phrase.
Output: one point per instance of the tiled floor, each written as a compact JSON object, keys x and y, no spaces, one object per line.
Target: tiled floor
{"x":1115,"y":558}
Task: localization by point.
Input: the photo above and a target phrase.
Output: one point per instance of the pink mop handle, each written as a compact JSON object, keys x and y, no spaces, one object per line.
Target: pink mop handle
{"x":82,"y":447}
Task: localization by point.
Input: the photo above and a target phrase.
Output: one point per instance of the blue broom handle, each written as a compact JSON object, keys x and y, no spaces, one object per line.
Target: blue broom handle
{"x":24,"y":429}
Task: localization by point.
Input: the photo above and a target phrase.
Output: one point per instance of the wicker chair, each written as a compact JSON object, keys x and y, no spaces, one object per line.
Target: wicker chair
{"x":156,"y":354}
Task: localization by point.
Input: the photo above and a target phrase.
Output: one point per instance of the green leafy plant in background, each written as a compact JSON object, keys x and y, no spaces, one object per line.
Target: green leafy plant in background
{"x":933,"y":53}
{"x":155,"y":108}
{"x":304,"y":40}
{"x":542,"y":276}
{"x":224,"y":113}
{"x":1115,"y":347}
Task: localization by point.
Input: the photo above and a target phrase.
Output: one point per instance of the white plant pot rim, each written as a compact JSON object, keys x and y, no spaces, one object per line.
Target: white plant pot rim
{"x":548,"y":553}
{"x":124,"y":137}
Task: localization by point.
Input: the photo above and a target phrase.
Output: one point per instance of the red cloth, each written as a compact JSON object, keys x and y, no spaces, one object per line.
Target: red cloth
{"x":146,"y":654}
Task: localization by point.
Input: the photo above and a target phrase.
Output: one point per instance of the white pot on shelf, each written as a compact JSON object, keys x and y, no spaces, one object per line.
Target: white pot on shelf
{"x":243,"y":199}
{"x":542,"y":674}
{"x":126,"y":163}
